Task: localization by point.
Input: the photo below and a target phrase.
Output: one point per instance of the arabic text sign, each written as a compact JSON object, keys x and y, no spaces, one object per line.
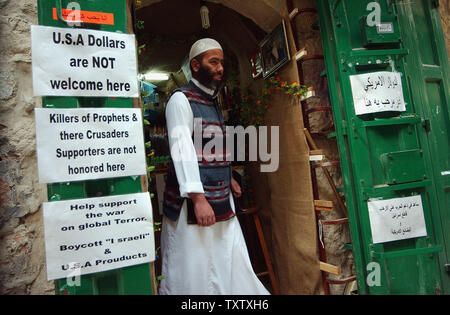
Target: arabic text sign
{"x":82,"y":62}
{"x":85,"y":16}
{"x":89,"y":143}
{"x":91,"y":235}
{"x":377,"y":92}
{"x":396,"y":219}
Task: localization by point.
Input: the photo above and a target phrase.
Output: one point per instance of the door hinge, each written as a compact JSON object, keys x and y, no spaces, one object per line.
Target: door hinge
{"x":344,"y":127}
{"x":447,"y":268}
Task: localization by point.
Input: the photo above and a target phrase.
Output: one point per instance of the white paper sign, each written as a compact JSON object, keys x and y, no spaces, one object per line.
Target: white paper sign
{"x":81,"y":62}
{"x":91,"y":235}
{"x":377,"y":92}
{"x":89,"y":143}
{"x":396,"y":219}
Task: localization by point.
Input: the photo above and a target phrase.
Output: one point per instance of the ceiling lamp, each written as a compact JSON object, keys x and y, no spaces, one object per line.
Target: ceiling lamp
{"x":156,"y":76}
{"x":204,"y":13}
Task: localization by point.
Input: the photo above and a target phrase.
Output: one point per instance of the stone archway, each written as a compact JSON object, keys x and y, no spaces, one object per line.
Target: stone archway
{"x":265,"y":13}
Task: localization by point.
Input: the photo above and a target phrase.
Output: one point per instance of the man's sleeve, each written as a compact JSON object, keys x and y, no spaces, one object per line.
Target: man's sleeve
{"x":180,"y":124}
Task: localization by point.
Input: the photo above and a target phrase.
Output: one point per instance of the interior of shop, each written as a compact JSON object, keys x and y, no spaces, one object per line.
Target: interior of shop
{"x":278,"y":220}
{"x":165,"y":32}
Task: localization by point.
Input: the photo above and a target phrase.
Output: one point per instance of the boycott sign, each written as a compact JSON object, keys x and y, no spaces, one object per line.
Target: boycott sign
{"x":91,"y":235}
{"x":89,"y":143}
{"x":81,"y":62}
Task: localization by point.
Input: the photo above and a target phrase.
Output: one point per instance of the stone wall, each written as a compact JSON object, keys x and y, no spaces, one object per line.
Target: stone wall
{"x":22,"y":255}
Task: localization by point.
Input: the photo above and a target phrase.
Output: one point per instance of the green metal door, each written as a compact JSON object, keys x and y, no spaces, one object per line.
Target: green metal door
{"x":429,"y":69}
{"x":392,"y":155}
{"x":130,"y":280}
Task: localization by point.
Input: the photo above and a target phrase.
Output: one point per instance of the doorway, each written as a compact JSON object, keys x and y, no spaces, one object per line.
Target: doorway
{"x":165,"y":31}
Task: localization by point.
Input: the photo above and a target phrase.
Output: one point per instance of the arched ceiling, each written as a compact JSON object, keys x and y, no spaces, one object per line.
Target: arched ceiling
{"x":171,"y":26}
{"x":264,"y":13}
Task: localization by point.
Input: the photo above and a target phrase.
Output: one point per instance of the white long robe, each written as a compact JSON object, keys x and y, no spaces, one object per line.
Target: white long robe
{"x":200,"y":260}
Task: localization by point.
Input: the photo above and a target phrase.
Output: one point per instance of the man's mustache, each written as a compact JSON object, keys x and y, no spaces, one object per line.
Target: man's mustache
{"x":206,"y":77}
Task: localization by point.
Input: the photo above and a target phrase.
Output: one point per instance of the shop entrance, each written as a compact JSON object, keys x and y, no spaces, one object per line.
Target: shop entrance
{"x":165,"y":31}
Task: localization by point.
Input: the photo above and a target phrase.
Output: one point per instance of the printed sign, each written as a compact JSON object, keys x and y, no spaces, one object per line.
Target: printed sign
{"x":82,"y":62}
{"x":89,"y":143}
{"x":396,"y":219}
{"x":91,"y":235}
{"x":377,"y":92}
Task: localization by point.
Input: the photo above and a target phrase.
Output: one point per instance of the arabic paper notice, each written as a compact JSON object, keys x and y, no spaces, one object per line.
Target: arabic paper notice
{"x":396,"y":219}
{"x":377,"y":92}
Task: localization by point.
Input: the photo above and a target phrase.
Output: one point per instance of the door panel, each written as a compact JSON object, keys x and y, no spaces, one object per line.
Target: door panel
{"x":389,"y":155}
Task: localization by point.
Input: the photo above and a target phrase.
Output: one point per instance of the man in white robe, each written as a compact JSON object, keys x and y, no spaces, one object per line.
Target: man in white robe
{"x":208,"y":257}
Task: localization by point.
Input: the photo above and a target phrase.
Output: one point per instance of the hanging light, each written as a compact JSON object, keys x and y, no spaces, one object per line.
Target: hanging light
{"x":156,"y":76}
{"x":204,"y":13}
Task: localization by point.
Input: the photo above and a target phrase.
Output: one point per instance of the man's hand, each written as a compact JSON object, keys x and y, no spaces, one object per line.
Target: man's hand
{"x":237,"y":192}
{"x":203,"y":210}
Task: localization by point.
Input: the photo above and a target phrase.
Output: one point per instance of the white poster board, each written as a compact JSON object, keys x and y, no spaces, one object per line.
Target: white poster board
{"x":89,"y":143}
{"x":91,"y":235}
{"x":82,"y":62}
{"x":396,"y":219}
{"x":377,"y":92}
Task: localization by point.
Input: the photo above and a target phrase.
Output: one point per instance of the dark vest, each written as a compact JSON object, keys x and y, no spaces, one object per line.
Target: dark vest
{"x":215,"y":170}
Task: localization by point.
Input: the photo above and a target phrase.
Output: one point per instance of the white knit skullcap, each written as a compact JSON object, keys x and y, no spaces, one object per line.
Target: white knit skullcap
{"x":203,"y":45}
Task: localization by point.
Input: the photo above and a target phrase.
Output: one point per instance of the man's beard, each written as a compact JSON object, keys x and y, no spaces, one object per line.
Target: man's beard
{"x":206,"y":77}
